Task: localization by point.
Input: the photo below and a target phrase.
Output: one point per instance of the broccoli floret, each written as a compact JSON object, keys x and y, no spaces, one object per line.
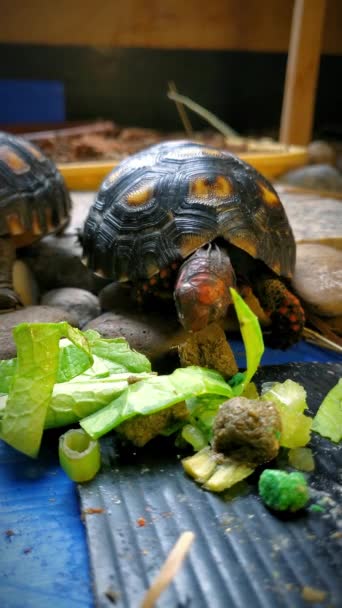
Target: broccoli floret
{"x":283,"y":491}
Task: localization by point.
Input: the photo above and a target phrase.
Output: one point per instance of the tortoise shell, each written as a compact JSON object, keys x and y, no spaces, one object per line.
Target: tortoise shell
{"x":33,"y":198}
{"x":160,"y":205}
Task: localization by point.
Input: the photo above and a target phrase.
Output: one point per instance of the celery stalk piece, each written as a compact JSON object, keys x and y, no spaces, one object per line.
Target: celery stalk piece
{"x":79,"y":456}
{"x":328,"y":420}
{"x":201,"y":465}
{"x":227,"y":475}
{"x":204,"y":469}
{"x":252,"y":339}
{"x":31,"y":389}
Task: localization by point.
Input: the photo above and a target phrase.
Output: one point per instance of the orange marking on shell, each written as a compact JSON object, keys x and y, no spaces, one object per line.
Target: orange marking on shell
{"x":246,"y":244}
{"x":48,"y":218}
{"x":164,"y":273}
{"x":33,"y":150}
{"x":269,"y":197}
{"x":189,"y":244}
{"x":13,"y":161}
{"x":153,"y":281}
{"x":14,"y":224}
{"x":203,"y":187}
{"x":295,"y":327}
{"x":36,"y":227}
{"x":139,"y":196}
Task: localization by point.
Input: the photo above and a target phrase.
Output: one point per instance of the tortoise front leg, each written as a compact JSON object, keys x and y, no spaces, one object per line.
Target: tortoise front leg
{"x":9,"y":300}
{"x":284,"y":311}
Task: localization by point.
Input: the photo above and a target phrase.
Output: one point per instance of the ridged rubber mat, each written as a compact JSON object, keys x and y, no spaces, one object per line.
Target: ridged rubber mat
{"x":243,"y":555}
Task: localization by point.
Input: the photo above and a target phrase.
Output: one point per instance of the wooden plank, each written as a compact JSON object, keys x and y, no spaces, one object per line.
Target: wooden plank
{"x":250,"y":25}
{"x":302,"y":72}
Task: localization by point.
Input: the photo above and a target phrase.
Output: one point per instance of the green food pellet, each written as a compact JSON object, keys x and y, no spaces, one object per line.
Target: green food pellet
{"x":317,"y":509}
{"x":283,"y":491}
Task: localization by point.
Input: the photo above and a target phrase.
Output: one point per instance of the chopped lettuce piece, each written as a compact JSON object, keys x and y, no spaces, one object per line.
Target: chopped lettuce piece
{"x":290,"y":399}
{"x":301,"y":459}
{"x":328,"y":420}
{"x":7,"y":371}
{"x":84,"y":396}
{"x":192,"y":434}
{"x":117,"y":354}
{"x":202,"y":412}
{"x":252,"y":339}
{"x":288,"y":393}
{"x":155,"y":394}
{"x":72,"y":361}
{"x":31,"y":389}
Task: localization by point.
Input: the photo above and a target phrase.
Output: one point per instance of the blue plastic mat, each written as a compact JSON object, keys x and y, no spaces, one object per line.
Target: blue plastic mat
{"x":43,"y":552}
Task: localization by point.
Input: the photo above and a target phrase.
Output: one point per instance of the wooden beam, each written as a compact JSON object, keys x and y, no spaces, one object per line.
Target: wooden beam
{"x":302,"y":72}
{"x":248,"y":25}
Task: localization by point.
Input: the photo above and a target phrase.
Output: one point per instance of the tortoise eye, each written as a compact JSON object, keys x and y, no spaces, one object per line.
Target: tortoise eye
{"x":13,"y":161}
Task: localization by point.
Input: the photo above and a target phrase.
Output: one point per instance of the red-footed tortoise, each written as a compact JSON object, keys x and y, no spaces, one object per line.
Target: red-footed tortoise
{"x":192,"y":220}
{"x":34,"y":202}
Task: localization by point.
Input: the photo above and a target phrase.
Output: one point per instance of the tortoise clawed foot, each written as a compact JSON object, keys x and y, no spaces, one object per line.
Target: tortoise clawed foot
{"x":9,"y":300}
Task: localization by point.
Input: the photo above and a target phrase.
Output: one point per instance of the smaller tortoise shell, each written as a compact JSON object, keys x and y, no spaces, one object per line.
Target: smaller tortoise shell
{"x":160,"y":205}
{"x":33,"y":198}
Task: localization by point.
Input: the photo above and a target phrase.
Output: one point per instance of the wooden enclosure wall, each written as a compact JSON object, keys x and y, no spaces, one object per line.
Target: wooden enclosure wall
{"x":252,"y":25}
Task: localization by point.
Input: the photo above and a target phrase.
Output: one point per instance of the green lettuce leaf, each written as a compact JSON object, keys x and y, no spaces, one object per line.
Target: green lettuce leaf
{"x":31,"y":388}
{"x":328,"y":420}
{"x":84,"y":396}
{"x":155,"y":394}
{"x":117,"y":354}
{"x":7,"y":371}
{"x":252,"y":339}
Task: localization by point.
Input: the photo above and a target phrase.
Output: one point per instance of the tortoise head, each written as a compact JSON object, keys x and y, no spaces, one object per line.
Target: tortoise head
{"x":201,"y":292}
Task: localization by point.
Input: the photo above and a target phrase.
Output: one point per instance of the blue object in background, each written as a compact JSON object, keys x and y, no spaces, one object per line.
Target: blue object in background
{"x":31,"y":101}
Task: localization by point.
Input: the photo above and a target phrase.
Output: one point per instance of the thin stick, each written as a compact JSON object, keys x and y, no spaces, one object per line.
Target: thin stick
{"x":215,"y":122}
{"x":169,"y":569}
{"x":315,"y":338}
{"x":182,"y":112}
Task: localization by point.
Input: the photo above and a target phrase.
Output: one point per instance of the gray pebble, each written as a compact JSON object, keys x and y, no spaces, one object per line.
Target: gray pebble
{"x":314,"y":177}
{"x":80,"y":302}
{"x":31,"y":314}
